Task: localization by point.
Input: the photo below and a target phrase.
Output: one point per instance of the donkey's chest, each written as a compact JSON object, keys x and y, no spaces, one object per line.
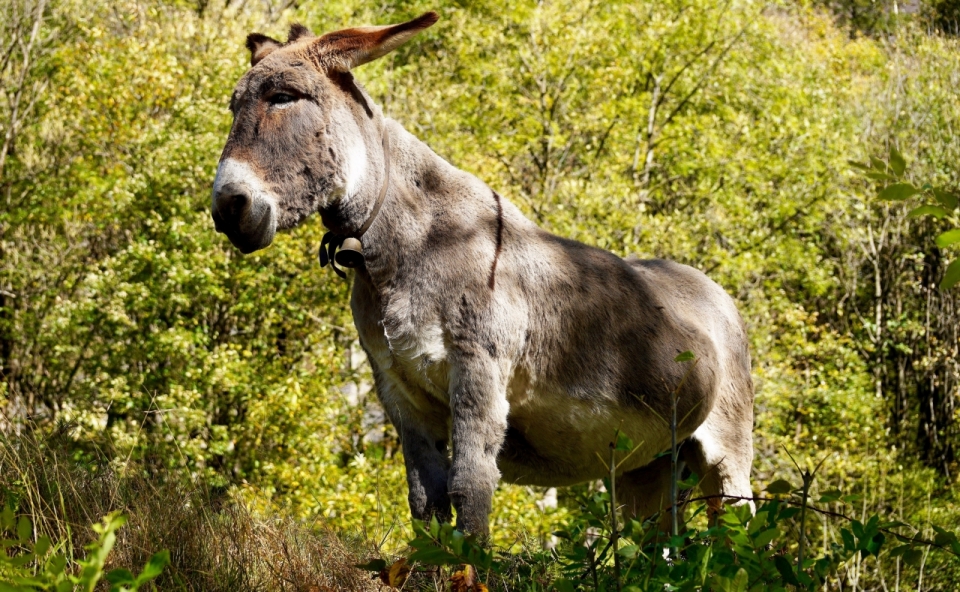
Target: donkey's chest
{"x":412,"y":347}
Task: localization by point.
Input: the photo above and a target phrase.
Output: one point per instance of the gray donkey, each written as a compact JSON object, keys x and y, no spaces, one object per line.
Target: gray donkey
{"x":498,"y":349}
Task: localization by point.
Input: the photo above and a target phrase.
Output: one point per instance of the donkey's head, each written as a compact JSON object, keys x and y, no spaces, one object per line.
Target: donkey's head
{"x":305,"y":137}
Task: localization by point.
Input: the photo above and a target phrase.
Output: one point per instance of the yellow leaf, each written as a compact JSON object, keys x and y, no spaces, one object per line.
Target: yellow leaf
{"x":396,"y":574}
{"x":465,"y":580}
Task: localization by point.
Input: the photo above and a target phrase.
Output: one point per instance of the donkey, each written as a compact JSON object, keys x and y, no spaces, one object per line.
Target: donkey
{"x":498,"y":349}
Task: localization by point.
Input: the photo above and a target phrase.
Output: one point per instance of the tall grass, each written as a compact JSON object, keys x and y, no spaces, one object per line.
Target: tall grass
{"x":215,"y":542}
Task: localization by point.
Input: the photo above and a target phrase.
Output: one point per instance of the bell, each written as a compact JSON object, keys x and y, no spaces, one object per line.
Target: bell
{"x":350,"y":254}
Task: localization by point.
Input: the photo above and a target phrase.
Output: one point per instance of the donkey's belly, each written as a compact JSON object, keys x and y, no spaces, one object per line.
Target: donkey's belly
{"x":553,"y":443}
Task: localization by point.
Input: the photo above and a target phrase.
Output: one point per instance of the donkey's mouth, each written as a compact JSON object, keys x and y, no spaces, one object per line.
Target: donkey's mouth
{"x":241,"y":208}
{"x":249,"y":233}
{"x":246,"y":247}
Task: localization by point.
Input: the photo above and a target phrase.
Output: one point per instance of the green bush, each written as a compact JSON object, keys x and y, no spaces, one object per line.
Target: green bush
{"x":41,"y":564}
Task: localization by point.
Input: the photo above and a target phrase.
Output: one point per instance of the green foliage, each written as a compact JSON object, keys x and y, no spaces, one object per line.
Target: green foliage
{"x":740,"y":550}
{"x":40,"y":564}
{"x":737,"y":549}
{"x":942,"y":203}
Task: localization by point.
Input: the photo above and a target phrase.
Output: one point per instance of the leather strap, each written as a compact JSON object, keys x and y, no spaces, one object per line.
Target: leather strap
{"x":333,"y":240}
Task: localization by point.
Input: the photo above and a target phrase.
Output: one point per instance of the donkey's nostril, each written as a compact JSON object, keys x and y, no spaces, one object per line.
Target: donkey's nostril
{"x":235,"y":205}
{"x":229,"y":205}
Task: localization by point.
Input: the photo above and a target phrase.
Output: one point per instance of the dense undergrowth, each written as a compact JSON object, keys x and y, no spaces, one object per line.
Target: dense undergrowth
{"x":222,"y":405}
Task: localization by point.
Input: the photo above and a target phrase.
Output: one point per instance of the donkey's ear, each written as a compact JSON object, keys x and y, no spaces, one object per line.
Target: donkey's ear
{"x":349,"y":48}
{"x":260,"y":46}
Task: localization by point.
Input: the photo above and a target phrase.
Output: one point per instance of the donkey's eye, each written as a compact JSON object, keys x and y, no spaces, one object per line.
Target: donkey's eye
{"x":281,"y":99}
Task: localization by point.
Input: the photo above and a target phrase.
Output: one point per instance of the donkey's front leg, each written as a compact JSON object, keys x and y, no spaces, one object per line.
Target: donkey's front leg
{"x":479,"y":407}
{"x":427,"y":468}
{"x":423,"y":436}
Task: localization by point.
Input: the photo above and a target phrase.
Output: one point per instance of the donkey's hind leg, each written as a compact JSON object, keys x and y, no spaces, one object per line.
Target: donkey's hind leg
{"x":720,"y":452}
{"x":645,"y":491}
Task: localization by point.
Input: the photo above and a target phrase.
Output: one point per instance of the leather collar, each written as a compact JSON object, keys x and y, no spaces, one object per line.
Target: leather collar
{"x":352,"y":255}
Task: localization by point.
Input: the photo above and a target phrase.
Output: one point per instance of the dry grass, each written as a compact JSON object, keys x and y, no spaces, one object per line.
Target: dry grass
{"x":214,"y":542}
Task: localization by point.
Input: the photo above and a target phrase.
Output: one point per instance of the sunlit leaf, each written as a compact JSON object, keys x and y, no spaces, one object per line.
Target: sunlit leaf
{"x":927,"y":210}
{"x":898,"y":192}
{"x":859,"y":165}
{"x":154,"y":567}
{"x":897,"y":163}
{"x":948,"y":238}
{"x":951,"y":276}
{"x":946,"y":198}
{"x":765,"y":537}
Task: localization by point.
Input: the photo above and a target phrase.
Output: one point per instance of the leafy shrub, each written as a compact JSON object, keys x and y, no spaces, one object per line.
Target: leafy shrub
{"x":735,"y":551}
{"x":26,"y":564}
{"x":935,"y":202}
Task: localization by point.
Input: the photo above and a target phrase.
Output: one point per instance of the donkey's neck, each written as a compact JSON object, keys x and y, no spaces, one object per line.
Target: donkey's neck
{"x":422,"y":188}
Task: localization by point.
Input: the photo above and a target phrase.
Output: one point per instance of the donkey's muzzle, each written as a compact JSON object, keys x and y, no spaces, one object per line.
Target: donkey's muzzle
{"x":248,"y":219}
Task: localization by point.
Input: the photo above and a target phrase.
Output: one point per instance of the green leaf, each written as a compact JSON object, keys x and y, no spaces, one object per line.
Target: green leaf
{"x":630,"y":551}
{"x":951,"y":276}
{"x":434,"y":556}
{"x":154,"y":566}
{"x":690,"y":482}
{"x":948,"y":238}
{"x":785,"y":568}
{"x":42,"y":546}
{"x":897,"y":162}
{"x":849,"y":543}
{"x":830,"y":496}
{"x":898,"y":551}
{"x":859,"y":165}
{"x":878,"y":164}
{"x":740,"y":581}
{"x":372,"y":565}
{"x":624,"y":443}
{"x":874,"y":544}
{"x":912,"y":556}
{"x":780,"y":486}
{"x":684,"y":356}
{"x":24,"y":529}
{"x":898,"y":192}
{"x":120,"y":576}
{"x":948,"y":199}
{"x":944,"y":537}
{"x":764,"y":538}
{"x":7,"y":518}
{"x":927,"y":210}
